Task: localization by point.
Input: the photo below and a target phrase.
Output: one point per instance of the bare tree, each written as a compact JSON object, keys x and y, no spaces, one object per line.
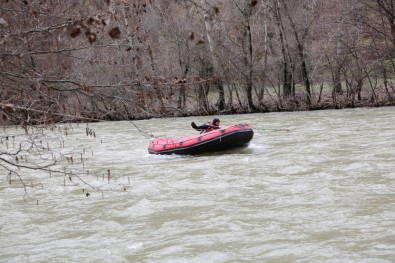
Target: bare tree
{"x":209,"y":15}
{"x":287,"y":64}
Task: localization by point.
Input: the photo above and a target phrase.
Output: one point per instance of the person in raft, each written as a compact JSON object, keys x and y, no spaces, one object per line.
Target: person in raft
{"x":208,"y":126}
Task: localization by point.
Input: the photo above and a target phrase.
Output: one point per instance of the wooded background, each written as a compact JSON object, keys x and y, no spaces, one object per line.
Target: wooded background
{"x":87,"y":60}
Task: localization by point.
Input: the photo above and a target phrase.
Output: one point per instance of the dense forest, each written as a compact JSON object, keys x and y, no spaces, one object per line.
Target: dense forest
{"x":88,"y":60}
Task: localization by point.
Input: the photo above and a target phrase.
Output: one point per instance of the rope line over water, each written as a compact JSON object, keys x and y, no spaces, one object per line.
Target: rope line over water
{"x":273,"y":129}
{"x":7,"y":107}
{"x":142,"y":132}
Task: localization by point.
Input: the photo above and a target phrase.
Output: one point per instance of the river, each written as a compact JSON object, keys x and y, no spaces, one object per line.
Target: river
{"x":324,"y":191}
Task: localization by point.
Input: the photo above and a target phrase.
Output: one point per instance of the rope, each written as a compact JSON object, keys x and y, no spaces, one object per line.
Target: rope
{"x":143,"y":133}
{"x":273,"y":129}
{"x":11,"y":107}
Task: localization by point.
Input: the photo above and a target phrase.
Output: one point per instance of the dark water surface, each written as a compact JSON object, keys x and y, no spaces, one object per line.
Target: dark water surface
{"x":322,"y":192}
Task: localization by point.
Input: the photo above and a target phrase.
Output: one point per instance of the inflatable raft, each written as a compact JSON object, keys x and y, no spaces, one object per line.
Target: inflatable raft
{"x":217,"y":140}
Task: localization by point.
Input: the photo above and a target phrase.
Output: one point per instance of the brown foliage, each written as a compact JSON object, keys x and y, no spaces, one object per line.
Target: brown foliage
{"x":115,"y":33}
{"x":74,"y":30}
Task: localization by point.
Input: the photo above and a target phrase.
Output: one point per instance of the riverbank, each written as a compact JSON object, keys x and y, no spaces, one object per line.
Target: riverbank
{"x":19,"y":115}
{"x":297,"y":103}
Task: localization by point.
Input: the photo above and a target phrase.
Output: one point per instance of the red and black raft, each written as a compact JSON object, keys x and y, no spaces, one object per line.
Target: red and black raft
{"x":230,"y":137}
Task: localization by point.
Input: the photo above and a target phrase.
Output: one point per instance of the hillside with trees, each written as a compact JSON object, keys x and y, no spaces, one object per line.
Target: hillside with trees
{"x":73,"y":61}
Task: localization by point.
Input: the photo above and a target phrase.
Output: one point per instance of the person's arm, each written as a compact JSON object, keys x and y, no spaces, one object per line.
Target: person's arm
{"x":201,"y":127}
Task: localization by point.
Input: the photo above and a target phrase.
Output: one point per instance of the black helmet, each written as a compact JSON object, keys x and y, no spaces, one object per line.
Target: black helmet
{"x":215,"y":120}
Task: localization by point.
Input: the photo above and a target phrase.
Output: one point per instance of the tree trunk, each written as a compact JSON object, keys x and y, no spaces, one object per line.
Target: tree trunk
{"x":337,"y":85}
{"x":286,"y":63}
{"x":249,"y":64}
{"x":213,"y":58}
{"x":300,"y":46}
